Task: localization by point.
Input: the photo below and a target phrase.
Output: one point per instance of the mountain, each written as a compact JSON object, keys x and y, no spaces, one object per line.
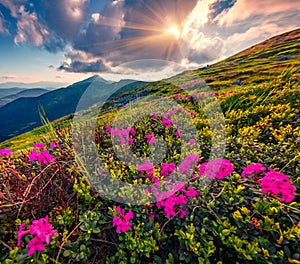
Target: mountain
{"x":22,"y":115}
{"x":46,"y":85}
{"x":10,"y":91}
{"x":257,"y":65}
{"x":24,"y":93}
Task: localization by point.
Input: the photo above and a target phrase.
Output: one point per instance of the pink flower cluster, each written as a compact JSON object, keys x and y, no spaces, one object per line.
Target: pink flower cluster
{"x":272,"y":182}
{"x":177,"y":133}
{"x":188,"y":163}
{"x":217,"y":168}
{"x":121,"y":220}
{"x":167,"y":122}
{"x":123,"y":134}
{"x":5,"y":152}
{"x":41,"y":231}
{"x":41,"y":155}
{"x":150,"y":139}
{"x":173,"y":203}
{"x":191,"y":83}
{"x":167,"y":168}
{"x":277,"y":183}
{"x":253,"y":168}
{"x":146,"y":167}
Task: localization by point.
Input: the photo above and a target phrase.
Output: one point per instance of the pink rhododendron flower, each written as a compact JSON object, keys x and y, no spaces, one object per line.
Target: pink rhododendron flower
{"x":39,"y":146}
{"x":177,"y":133}
{"x":108,"y":129}
{"x":21,"y":233}
{"x":5,"y":152}
{"x":122,"y":221}
{"x":132,"y":131}
{"x":180,"y":108}
{"x":33,"y":156}
{"x":42,"y":158}
{"x":41,"y":231}
{"x":35,"y":245}
{"x":192,"y":142}
{"x":277,"y":183}
{"x":171,"y":112}
{"x":186,"y":165}
{"x":150,"y":139}
{"x":154,"y":116}
{"x":118,"y":132}
{"x":54,"y":145}
{"x":45,"y":157}
{"x":123,"y":134}
{"x":217,"y":168}
{"x":167,"y":168}
{"x":182,"y":213}
{"x":253,"y":168}
{"x":146,"y":167}
{"x":191,"y":193}
{"x":166,"y":122}
{"x":170,"y":204}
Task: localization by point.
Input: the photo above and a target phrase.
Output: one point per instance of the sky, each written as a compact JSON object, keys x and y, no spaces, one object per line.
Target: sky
{"x":64,"y":41}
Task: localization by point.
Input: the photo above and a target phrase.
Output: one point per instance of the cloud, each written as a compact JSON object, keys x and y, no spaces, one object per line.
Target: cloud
{"x":13,"y":6}
{"x":257,"y":32}
{"x":254,"y":35}
{"x":8,"y":77}
{"x":64,"y":17}
{"x":29,"y":29}
{"x":80,"y":61}
{"x":2,"y":22}
{"x":199,"y":44}
{"x":199,"y":15}
{"x":245,"y":9}
{"x":99,"y":37}
{"x":132,"y":30}
{"x":102,"y":31}
{"x":219,"y":6}
{"x":81,"y":66}
{"x":202,"y":49}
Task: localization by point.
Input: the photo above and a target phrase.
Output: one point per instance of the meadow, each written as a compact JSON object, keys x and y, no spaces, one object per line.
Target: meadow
{"x":214,"y":178}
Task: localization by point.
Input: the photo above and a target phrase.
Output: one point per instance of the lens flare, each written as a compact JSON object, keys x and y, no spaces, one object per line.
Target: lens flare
{"x":175,"y":31}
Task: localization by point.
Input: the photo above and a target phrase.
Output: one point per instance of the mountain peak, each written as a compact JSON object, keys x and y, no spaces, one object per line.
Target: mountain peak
{"x":97,"y":78}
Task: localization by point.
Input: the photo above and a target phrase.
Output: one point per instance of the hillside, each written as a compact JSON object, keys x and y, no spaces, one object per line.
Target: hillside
{"x":34,"y":92}
{"x":22,"y":115}
{"x":257,"y":65}
{"x":203,"y":176}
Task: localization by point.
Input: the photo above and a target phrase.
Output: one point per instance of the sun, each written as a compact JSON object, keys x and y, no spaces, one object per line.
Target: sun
{"x":175,"y":31}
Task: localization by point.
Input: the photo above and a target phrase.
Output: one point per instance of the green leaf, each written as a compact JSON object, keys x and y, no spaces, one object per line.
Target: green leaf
{"x":67,"y":253}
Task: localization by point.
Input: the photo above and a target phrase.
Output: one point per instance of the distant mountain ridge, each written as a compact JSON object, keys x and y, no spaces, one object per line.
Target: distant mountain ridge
{"x":45,"y":85}
{"x":10,"y":91}
{"x":22,"y":115}
{"x":34,"y":92}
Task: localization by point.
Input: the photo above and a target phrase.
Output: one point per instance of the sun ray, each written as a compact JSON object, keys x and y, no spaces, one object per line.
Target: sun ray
{"x":157,"y":31}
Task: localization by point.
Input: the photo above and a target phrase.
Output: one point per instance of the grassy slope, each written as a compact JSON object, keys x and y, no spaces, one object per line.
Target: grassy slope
{"x":259,"y":64}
